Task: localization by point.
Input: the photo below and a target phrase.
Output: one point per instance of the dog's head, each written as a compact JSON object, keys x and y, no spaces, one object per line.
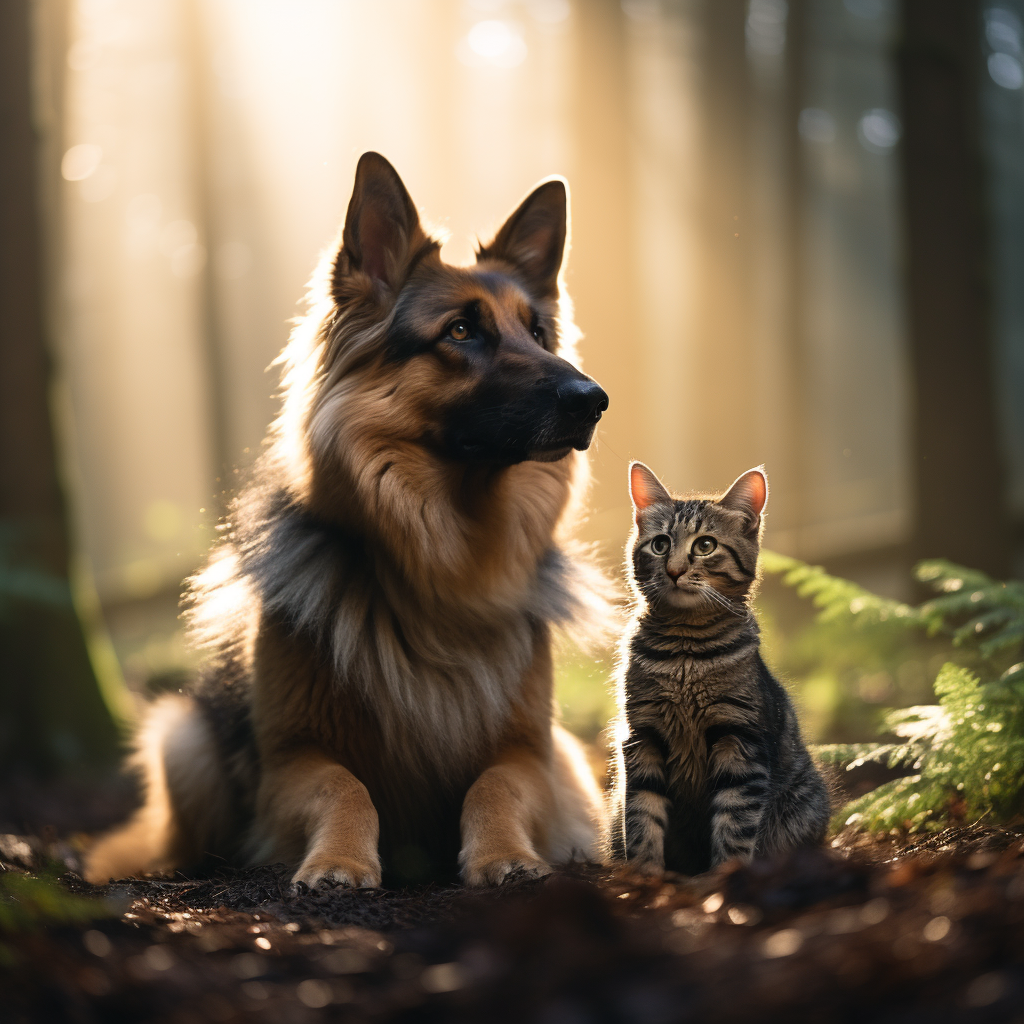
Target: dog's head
{"x":466,"y":361}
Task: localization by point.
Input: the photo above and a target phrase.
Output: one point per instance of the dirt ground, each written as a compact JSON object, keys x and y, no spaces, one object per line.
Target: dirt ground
{"x":871,"y":929}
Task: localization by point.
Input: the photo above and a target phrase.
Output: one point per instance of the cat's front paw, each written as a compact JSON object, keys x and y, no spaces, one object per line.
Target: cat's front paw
{"x":739,"y":859}
{"x":497,"y":870}
{"x":322,"y":870}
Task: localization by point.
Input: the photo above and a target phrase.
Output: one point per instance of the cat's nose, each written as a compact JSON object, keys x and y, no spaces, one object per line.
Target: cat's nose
{"x":674,"y":574}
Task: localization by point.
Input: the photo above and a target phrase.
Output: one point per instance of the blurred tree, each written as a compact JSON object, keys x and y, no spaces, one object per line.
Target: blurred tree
{"x":200,"y":86}
{"x":961,"y":495}
{"x":794,"y":471}
{"x":723,"y":294}
{"x":53,"y":717}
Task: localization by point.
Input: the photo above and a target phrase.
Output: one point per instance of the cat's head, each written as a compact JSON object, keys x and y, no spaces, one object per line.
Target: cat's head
{"x":695,"y":554}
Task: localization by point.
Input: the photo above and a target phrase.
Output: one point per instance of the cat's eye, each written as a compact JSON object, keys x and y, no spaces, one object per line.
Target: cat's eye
{"x":661,"y":544}
{"x":459,"y":331}
{"x":704,"y":545}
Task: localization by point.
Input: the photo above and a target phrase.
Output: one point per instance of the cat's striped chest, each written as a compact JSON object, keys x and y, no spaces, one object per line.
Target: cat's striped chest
{"x":681,"y":694}
{"x":675,"y":711}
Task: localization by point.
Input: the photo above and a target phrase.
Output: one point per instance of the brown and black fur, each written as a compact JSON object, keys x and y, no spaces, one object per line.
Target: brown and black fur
{"x":708,"y":763}
{"x":380,"y":613}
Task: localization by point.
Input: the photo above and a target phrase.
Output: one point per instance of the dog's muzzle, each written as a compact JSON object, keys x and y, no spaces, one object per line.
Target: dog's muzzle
{"x":583,"y":401}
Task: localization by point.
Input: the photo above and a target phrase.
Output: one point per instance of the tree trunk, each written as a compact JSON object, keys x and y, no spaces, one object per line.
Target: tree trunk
{"x":723,"y":315}
{"x":961,"y":497}
{"x":52,"y":715}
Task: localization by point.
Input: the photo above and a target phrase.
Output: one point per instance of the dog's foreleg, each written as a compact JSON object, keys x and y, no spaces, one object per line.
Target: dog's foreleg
{"x":502,"y":816}
{"x":312,"y":803}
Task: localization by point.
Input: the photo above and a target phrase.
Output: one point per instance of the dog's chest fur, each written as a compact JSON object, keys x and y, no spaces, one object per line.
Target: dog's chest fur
{"x":412,"y":697}
{"x":444,"y":668}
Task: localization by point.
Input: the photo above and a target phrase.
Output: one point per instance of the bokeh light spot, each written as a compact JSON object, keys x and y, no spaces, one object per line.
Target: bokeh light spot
{"x":97,"y":943}
{"x":782,"y":943}
{"x":766,"y":26}
{"x":494,"y":43}
{"x":444,"y":978}
{"x":1003,"y":30}
{"x":313,"y":993}
{"x":879,"y":130}
{"x":80,"y":161}
{"x":1005,"y":70}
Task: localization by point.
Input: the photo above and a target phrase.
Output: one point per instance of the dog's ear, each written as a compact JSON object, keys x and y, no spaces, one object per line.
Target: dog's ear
{"x":382,"y":228}
{"x":533,"y":239}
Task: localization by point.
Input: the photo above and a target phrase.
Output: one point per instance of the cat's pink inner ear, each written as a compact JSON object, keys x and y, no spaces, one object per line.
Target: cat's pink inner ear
{"x":748,"y":494}
{"x":645,"y":488}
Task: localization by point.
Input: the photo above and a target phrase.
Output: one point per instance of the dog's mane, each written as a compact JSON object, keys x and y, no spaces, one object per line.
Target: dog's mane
{"x":384,"y":645}
{"x":414,"y":579}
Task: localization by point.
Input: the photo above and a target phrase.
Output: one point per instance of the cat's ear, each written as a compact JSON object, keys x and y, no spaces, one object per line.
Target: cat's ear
{"x":748,"y":495}
{"x":645,"y":489}
{"x":382,"y":228}
{"x":533,"y":238}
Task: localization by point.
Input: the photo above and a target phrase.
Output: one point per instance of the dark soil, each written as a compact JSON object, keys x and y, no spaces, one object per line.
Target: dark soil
{"x":871,"y":929}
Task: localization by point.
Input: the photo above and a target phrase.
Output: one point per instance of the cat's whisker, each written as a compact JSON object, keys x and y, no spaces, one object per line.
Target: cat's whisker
{"x":722,"y":600}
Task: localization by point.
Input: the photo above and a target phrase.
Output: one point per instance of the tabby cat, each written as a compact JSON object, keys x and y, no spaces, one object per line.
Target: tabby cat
{"x":708,"y":763}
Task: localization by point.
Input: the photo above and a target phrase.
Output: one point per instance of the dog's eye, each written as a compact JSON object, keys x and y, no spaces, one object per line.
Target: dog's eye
{"x":661,"y":544}
{"x":704,"y":545}
{"x":459,"y":331}
{"x":538,"y":333}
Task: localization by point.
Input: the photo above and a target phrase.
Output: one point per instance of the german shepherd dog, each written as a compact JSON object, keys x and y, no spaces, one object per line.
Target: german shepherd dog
{"x":380,"y":612}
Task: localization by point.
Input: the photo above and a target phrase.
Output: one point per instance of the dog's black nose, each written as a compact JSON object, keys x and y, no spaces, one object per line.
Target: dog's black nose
{"x":583,"y":400}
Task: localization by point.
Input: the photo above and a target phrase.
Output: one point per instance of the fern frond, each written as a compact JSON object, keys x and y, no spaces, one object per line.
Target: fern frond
{"x":973,"y":608}
{"x":847,"y":753}
{"x":837,"y":599}
{"x":1013,"y":675}
{"x":967,"y":749}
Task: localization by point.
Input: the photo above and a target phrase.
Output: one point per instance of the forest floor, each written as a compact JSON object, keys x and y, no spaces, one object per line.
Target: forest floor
{"x":872,"y":928}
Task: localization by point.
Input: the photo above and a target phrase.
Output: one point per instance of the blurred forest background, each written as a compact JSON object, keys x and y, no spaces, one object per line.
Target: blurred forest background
{"x":798,"y":240}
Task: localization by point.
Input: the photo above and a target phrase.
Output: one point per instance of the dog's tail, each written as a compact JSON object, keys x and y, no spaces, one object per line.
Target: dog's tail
{"x":176,"y":759}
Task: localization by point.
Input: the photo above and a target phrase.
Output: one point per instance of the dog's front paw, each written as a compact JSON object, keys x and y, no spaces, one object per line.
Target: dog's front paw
{"x":317,"y":870}
{"x":497,"y":870}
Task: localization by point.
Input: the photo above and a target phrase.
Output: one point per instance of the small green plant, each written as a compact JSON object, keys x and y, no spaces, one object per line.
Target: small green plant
{"x":29,"y":902}
{"x":860,"y":656}
{"x":965,"y":751}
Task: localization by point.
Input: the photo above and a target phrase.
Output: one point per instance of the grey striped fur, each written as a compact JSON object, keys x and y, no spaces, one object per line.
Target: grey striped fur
{"x":708,"y":763}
